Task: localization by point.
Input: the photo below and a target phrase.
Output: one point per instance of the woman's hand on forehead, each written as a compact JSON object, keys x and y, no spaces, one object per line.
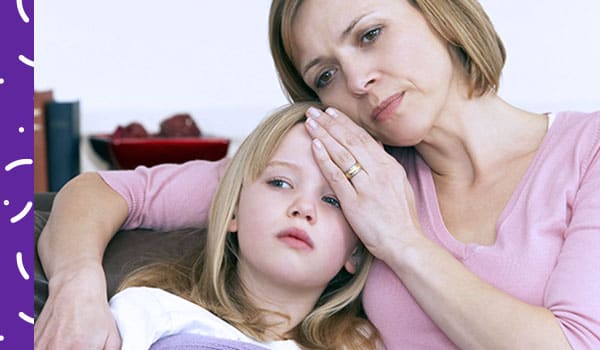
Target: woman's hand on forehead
{"x":365,"y":179}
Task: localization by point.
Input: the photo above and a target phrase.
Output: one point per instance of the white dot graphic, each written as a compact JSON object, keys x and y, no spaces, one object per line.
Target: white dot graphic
{"x":21,"y":10}
{"x":21,"y":267}
{"x":22,"y":213}
{"x":1,"y":338}
{"x":26,"y":61}
{"x":6,"y":202}
{"x":26,"y":317}
{"x":1,"y":81}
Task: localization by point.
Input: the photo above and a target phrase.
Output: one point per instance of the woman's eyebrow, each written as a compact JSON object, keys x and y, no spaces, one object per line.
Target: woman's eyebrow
{"x":352,"y":24}
{"x":343,"y":36}
{"x":311,"y":64}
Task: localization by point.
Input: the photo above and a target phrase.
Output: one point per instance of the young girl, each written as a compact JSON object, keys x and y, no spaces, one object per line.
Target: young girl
{"x":280,"y":267}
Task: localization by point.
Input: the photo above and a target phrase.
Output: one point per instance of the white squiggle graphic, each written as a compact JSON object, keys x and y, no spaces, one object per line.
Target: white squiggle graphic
{"x":22,"y":214}
{"x":18,"y":162}
{"x":25,"y":317}
{"x":21,"y":267}
{"x":26,"y":60}
{"x":21,"y":10}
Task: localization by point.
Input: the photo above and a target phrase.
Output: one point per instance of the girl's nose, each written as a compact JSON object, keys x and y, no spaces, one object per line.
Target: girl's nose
{"x":303,"y":208}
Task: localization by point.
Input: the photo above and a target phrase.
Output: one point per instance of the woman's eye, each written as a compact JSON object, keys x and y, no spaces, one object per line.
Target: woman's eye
{"x":324,"y":78}
{"x":370,"y":36}
{"x":279,"y":183}
{"x":331,"y":201}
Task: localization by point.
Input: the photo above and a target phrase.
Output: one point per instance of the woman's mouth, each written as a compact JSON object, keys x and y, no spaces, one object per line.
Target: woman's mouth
{"x":387,"y":108}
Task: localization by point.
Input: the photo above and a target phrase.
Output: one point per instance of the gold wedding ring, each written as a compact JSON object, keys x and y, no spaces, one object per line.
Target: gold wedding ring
{"x":353,"y":170}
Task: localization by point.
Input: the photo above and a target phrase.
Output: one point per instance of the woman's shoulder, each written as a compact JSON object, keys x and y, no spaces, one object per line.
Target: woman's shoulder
{"x":572,"y":119}
{"x":580,"y":127}
{"x":573,"y":137}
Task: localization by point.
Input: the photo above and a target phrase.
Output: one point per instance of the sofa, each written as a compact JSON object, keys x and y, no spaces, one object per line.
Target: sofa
{"x":128,"y":250}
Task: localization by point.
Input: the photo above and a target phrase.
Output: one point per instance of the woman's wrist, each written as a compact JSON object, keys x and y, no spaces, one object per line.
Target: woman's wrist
{"x":407,"y":255}
{"x":84,"y":275}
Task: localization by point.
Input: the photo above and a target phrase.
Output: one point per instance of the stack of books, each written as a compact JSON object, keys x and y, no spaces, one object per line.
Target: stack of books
{"x":56,"y":142}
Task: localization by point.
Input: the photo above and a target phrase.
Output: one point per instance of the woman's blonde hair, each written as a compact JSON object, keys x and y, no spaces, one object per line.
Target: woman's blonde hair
{"x":212,"y":280}
{"x":462,"y":24}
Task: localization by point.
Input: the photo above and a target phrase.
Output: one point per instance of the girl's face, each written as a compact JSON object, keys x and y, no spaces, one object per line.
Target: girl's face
{"x":291,"y":230}
{"x":376,"y":60}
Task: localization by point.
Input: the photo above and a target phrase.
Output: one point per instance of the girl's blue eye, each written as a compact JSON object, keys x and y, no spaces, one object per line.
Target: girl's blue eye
{"x":370,"y":36}
{"x":331,"y":201}
{"x":279,"y":183}
{"x":324,"y":78}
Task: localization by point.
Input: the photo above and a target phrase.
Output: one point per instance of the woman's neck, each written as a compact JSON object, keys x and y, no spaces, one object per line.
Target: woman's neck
{"x":474,"y":137}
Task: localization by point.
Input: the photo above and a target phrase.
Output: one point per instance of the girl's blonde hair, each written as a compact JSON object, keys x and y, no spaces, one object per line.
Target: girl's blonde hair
{"x":462,"y":24}
{"x":212,"y":281}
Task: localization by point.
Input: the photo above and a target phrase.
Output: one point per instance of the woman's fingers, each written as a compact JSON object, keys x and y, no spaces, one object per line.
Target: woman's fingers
{"x":76,"y":314}
{"x":365,"y":178}
{"x":345,"y":141}
{"x":334,"y":175}
{"x":347,"y":146}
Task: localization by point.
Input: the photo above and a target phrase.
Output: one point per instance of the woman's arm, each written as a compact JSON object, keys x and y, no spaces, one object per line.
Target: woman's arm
{"x":86,"y":214}
{"x":470,"y":311}
{"x":570,"y":312}
{"x":439,"y":283}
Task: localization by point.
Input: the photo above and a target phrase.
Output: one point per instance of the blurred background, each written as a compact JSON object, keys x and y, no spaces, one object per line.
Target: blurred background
{"x":143,"y":61}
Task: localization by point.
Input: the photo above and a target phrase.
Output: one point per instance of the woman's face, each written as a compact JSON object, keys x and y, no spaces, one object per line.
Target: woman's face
{"x":376,"y":60}
{"x":291,"y":231}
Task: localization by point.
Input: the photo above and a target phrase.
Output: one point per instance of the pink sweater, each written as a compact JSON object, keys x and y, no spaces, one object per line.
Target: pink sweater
{"x":547,"y":250}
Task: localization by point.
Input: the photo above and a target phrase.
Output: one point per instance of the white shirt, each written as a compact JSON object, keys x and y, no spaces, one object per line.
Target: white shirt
{"x":145,"y":315}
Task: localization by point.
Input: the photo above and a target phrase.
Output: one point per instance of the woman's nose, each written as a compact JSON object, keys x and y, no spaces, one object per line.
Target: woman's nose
{"x":359,"y":78}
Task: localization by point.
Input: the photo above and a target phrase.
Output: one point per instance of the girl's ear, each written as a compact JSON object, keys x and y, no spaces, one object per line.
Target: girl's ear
{"x":233,"y":225}
{"x":350,"y":267}
{"x":353,"y":261}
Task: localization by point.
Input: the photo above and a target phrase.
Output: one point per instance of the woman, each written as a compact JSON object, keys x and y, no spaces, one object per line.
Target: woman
{"x":484,"y":237}
{"x":280,"y":268}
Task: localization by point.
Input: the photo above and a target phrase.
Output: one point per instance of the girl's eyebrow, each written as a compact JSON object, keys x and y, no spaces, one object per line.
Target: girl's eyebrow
{"x":283,"y":163}
{"x":343,"y":36}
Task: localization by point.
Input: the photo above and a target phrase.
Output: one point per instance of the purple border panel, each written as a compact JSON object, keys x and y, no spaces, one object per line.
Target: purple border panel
{"x":16,"y":174}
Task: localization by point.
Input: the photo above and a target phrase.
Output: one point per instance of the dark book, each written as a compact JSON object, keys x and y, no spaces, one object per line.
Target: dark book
{"x":40,"y":164}
{"x":63,"y":136}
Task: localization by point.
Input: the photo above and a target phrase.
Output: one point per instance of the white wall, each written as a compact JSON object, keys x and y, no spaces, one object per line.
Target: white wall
{"x":144,"y":60}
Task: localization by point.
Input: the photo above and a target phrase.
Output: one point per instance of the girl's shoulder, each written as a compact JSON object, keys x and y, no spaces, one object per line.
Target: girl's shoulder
{"x":165,"y":313}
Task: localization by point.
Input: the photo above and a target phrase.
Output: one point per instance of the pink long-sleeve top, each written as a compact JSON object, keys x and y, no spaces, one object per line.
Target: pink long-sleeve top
{"x":547,"y":249}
